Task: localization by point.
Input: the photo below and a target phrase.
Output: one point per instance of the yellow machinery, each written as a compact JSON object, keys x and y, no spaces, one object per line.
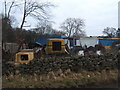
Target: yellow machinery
{"x":55,"y":46}
{"x":24,"y":56}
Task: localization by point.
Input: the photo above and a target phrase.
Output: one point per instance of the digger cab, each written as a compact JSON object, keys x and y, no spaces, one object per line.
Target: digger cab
{"x":55,"y":46}
{"x":24,"y":56}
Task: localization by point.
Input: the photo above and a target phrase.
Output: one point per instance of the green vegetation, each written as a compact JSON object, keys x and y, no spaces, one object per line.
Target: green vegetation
{"x":67,"y":79}
{"x":59,"y":72}
{"x":54,"y":63}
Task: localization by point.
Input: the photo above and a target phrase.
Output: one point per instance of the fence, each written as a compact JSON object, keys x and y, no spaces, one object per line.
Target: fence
{"x":11,"y":47}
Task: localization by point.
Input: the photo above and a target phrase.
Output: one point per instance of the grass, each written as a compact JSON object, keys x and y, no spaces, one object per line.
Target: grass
{"x":67,"y":79}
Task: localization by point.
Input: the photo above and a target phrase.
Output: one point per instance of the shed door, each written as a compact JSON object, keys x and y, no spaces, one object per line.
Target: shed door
{"x":56,"y":46}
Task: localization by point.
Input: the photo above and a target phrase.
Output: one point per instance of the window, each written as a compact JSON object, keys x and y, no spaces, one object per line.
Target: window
{"x":24,"y":57}
{"x":56,"y":46}
{"x":71,"y":42}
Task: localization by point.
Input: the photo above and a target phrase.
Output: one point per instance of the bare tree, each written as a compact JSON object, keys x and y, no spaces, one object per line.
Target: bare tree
{"x":73,"y":27}
{"x":32,"y":8}
{"x":110,"y":32}
{"x":47,"y":30}
{"x":44,"y":27}
{"x":5,"y":9}
{"x":36,"y":10}
{"x":8,"y":8}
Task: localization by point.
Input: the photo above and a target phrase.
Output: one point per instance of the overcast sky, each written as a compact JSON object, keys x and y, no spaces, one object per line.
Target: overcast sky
{"x":97,"y":14}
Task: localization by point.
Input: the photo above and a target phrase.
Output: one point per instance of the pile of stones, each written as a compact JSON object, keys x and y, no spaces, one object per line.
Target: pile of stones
{"x":75,"y":64}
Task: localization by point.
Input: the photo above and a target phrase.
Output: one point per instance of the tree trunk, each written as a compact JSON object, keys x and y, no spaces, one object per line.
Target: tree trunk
{"x":5,"y":10}
{"x":24,"y":16}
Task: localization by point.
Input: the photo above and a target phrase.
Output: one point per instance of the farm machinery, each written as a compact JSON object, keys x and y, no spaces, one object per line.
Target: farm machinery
{"x":52,"y":47}
{"x":24,"y":60}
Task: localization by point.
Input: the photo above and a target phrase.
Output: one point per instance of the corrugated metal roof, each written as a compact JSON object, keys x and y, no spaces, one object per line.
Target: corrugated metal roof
{"x":43,"y":40}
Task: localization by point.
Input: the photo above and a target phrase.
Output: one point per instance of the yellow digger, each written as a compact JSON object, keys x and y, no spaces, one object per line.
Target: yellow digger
{"x":53,"y":46}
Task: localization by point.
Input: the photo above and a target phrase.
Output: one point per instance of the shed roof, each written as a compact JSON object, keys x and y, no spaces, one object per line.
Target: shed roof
{"x":43,"y":40}
{"x":107,"y":42}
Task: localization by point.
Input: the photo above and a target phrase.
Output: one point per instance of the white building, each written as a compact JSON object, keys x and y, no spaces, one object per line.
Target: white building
{"x":89,"y":41}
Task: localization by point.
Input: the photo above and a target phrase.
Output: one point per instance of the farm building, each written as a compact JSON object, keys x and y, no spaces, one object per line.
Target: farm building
{"x":107,"y":42}
{"x":92,"y":41}
{"x":70,"y":41}
{"x":11,"y":47}
{"x":83,"y":41}
{"x":88,"y":41}
{"x":43,"y":40}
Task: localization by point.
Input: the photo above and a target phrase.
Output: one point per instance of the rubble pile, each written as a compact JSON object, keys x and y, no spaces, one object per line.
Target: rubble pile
{"x":88,"y":62}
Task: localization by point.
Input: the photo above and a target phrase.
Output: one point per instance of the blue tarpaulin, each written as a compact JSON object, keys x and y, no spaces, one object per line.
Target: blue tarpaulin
{"x":106,"y":42}
{"x":43,"y":40}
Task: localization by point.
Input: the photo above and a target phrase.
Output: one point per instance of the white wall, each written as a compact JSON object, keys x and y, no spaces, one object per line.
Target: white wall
{"x":89,"y":41}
